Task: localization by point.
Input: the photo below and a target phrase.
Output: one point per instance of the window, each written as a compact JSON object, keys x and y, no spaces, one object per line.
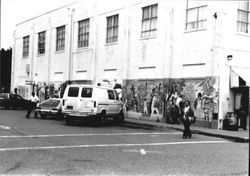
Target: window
{"x":73,"y":92}
{"x":26,"y":46}
{"x":41,"y":42}
{"x":87,"y":92}
{"x":83,"y":33}
{"x":60,"y":38}
{"x":195,"y":15}
{"x":149,"y":21}
{"x":111,"y":94}
{"x":243,"y":19}
{"x":112,"y":29}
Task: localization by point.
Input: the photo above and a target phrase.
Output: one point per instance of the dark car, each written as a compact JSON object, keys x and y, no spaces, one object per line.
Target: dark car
{"x":50,"y":108}
{"x":12,"y":101}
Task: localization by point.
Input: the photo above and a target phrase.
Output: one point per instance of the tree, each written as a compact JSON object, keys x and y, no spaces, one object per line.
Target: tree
{"x":5,"y":72}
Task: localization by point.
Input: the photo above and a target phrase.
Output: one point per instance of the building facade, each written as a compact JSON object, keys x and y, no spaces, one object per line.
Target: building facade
{"x":158,"y":50}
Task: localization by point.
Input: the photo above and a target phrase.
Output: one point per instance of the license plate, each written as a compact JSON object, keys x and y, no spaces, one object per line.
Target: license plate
{"x":69,"y":107}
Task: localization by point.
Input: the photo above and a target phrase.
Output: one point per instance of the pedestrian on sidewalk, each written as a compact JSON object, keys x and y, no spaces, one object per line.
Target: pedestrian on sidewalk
{"x":187,"y":119}
{"x":33,"y":100}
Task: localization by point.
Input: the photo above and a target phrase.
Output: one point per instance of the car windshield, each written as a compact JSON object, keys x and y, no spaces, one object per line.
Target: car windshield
{"x":50,"y":103}
{"x":3,"y":95}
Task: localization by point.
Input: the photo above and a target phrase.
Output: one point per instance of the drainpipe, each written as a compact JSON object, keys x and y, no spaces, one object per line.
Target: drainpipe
{"x":32,"y":56}
{"x":70,"y":44}
{"x":49,"y":52}
{"x":13,"y":62}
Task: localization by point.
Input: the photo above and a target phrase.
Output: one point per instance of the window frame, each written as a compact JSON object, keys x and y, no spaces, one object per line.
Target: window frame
{"x":60,"y":38}
{"x":41,"y":42}
{"x":197,"y":21}
{"x":151,"y":31}
{"x":83,"y":33}
{"x":26,"y":40}
{"x":113,"y":37}
{"x":247,"y":22}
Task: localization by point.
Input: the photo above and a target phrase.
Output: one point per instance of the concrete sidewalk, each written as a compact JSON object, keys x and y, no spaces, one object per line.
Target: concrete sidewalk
{"x":237,"y":136}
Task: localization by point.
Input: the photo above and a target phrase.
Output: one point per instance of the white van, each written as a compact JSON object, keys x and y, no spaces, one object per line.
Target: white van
{"x":81,"y":101}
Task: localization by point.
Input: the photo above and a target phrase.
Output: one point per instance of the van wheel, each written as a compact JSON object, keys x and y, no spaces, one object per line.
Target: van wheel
{"x":102,"y":118}
{"x":120,"y":118}
{"x":69,"y":121}
{"x":43,"y":116}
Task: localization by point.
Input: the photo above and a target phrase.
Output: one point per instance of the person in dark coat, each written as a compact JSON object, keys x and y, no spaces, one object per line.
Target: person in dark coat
{"x":187,"y":119}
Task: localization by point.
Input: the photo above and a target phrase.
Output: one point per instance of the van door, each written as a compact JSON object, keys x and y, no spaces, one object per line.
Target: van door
{"x":113,"y":102}
{"x":86,"y":102}
{"x":71,"y":102}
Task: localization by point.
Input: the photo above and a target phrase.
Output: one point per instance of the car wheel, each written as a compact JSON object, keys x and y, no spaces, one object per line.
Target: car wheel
{"x":69,"y":121}
{"x":59,"y":116}
{"x":102,"y":118}
{"x":43,"y":116}
{"x":120,"y":118}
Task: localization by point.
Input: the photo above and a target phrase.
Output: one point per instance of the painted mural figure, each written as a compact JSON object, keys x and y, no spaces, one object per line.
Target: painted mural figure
{"x":207,"y":108}
{"x":198,"y":106}
{"x":154,"y":109}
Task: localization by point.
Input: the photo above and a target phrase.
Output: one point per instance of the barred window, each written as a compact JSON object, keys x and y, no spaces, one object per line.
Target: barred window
{"x":196,"y":15}
{"x":83,"y":33}
{"x":60,"y":38}
{"x":149,"y":20}
{"x":243,"y":17}
{"x":41,"y":42}
{"x":26,"y":46}
{"x":112,"y":29}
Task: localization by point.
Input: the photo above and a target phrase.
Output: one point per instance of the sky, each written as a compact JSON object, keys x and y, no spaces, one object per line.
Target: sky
{"x":16,"y":11}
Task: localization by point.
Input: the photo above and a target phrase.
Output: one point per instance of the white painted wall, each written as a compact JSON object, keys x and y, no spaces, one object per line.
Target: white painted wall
{"x":172,"y":53}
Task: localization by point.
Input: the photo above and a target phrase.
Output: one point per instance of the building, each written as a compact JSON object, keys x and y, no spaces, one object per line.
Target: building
{"x":158,"y":50}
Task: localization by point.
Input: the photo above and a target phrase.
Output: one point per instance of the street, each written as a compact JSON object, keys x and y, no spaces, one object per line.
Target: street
{"x":45,"y":147}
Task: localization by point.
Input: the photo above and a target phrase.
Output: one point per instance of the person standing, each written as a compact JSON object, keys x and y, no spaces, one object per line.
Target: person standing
{"x":188,"y":118}
{"x":33,"y":100}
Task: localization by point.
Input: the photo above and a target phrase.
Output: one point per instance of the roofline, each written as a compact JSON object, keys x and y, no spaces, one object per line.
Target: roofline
{"x":48,"y":12}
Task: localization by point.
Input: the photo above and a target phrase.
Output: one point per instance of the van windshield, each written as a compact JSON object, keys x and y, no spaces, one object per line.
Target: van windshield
{"x":87,"y":92}
{"x":73,"y":92}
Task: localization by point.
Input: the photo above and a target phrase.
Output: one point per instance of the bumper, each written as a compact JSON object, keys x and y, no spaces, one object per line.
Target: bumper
{"x":79,"y":114}
{"x":48,"y":111}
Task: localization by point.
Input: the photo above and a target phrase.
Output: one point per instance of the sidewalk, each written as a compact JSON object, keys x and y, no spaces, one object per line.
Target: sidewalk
{"x":237,"y":136}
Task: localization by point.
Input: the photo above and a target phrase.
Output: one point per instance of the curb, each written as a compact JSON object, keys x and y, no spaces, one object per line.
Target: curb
{"x":231,"y":138}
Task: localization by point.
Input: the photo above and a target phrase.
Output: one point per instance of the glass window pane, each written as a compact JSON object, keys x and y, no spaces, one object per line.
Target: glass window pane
{"x":145,"y":13}
{"x":243,"y":5}
{"x":73,"y":92}
{"x":154,"y":10}
{"x":87,"y":92}
{"x":192,"y":15}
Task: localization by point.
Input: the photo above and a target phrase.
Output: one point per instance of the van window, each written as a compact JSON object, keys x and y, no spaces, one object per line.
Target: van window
{"x":111,"y":94}
{"x":87,"y":92}
{"x":73,"y":92}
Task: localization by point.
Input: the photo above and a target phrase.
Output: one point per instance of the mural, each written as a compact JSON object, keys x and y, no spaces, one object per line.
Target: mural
{"x":163,"y":97}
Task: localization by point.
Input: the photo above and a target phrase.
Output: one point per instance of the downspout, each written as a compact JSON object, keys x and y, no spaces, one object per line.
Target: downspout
{"x":32,"y":56}
{"x":49,"y":54}
{"x":70,"y":44}
{"x":13,"y":62}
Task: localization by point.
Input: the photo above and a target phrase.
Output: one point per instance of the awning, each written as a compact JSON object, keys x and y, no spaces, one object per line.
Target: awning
{"x":243,"y":73}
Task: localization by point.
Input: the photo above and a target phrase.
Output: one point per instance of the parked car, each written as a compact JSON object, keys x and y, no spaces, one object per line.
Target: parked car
{"x":82,"y":101}
{"x":12,"y":101}
{"x":50,"y":108}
